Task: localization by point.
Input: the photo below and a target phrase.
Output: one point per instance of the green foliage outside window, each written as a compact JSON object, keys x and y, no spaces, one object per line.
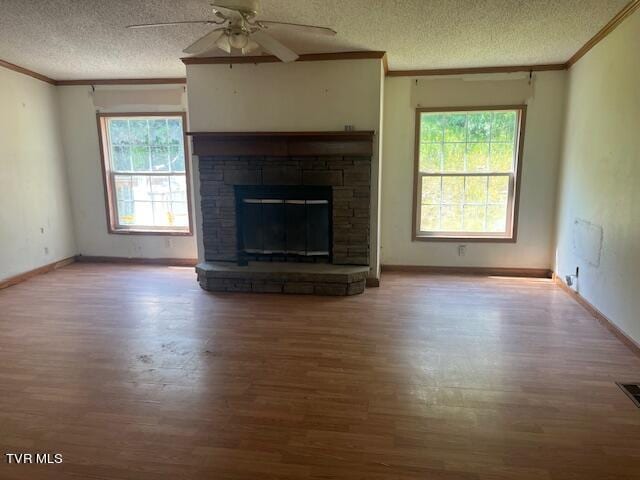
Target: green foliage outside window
{"x":147,"y":145}
{"x":467,"y":163}
{"x":147,"y":164}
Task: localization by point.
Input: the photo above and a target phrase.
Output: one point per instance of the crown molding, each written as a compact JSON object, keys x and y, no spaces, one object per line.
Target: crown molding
{"x":124,"y":81}
{"x":605,"y":31}
{"x":26,"y":71}
{"x":309,"y":57}
{"x":622,"y":15}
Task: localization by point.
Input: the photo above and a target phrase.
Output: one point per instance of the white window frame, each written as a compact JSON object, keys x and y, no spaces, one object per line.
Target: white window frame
{"x":510,"y":235}
{"x":111,"y":201}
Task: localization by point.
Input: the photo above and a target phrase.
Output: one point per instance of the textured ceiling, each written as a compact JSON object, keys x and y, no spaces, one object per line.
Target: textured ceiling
{"x":80,"y":39}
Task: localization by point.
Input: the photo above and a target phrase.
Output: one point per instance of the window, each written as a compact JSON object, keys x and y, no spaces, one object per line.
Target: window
{"x":467,"y":164}
{"x":146,"y":173}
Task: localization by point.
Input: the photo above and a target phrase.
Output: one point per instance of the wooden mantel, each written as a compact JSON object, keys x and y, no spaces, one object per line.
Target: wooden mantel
{"x":283,"y":144}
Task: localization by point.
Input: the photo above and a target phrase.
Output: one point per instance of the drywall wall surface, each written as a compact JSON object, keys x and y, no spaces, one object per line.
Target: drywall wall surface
{"x":301,"y":96}
{"x":36,"y":224}
{"x":80,"y":137}
{"x":305,"y":96}
{"x":599,"y":201}
{"x":544,"y":95}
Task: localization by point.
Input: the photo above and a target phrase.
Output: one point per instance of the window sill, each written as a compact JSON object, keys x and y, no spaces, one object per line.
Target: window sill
{"x":156,"y":233}
{"x":472,"y":239}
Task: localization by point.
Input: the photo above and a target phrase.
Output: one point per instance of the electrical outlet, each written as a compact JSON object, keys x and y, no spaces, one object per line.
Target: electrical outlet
{"x":46,"y":250}
{"x":41,"y":229}
{"x":572,"y":280}
{"x":462,"y":250}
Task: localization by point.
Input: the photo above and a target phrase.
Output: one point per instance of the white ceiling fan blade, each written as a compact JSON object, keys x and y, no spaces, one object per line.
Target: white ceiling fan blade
{"x":168,"y":24}
{"x":274,"y":47}
{"x":223,"y":44}
{"x":206,"y":42}
{"x":250,"y":48}
{"x":299,"y":26}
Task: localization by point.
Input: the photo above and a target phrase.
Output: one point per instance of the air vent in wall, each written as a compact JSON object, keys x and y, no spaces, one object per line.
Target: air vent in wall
{"x":632,"y":390}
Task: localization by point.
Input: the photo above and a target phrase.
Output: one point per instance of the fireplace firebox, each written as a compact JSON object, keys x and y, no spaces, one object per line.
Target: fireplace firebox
{"x":283,"y":223}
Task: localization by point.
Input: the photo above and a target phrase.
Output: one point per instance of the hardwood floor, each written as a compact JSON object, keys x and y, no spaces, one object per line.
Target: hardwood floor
{"x":133,"y":372}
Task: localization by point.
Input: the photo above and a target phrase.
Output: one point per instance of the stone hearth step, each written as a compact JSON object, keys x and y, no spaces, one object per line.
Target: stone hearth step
{"x":280,"y":277}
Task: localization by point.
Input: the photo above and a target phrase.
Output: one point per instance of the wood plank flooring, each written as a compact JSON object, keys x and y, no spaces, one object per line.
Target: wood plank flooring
{"x":133,"y":372}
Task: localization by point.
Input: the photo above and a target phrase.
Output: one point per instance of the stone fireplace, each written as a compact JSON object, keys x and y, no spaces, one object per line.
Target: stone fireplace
{"x":285,"y":212}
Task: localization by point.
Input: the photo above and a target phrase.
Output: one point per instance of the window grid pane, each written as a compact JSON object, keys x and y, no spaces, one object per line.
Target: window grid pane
{"x":150,"y":200}
{"x":149,"y":144}
{"x":467,"y":171}
{"x":461,"y":149}
{"x":470,"y":203}
{"x":148,"y":174}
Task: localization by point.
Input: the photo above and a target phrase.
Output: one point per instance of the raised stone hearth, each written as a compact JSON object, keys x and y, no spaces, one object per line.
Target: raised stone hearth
{"x":296,"y":200}
{"x":276,"y":277}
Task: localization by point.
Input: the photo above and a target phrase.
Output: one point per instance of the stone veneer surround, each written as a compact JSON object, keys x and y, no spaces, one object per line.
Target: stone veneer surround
{"x":349,"y":176}
{"x":339,"y":160}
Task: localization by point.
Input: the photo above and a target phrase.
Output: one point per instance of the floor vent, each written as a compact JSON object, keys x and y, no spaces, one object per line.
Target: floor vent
{"x":632,"y":390}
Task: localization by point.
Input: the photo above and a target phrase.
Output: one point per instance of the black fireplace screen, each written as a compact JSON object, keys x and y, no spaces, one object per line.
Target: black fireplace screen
{"x":289,"y":222}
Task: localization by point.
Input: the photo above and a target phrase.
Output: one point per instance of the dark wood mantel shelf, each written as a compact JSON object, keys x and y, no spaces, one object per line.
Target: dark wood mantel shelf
{"x":276,"y":144}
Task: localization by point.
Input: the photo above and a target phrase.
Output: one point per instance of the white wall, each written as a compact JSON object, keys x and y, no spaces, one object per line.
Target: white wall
{"x":80,"y":138}
{"x":312,"y":96}
{"x":35,"y":215}
{"x":600,"y":180}
{"x":542,"y":147}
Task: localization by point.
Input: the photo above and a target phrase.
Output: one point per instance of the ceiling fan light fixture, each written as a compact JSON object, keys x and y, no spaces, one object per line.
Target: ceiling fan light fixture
{"x":238,"y":31}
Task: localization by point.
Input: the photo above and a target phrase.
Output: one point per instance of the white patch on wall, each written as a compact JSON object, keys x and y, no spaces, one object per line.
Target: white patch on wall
{"x":109,"y":99}
{"x":507,"y":89}
{"x":587,"y":241}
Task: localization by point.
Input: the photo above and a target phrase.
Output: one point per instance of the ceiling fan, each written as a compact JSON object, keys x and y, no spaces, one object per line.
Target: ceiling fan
{"x":238,"y":31}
